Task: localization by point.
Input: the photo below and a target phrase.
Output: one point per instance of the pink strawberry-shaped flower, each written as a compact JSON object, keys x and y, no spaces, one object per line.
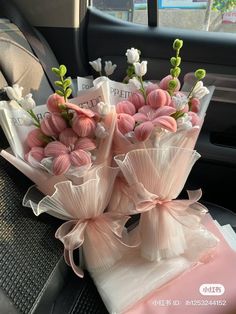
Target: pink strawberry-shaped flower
{"x":165,"y":81}
{"x":83,"y":126}
{"x":143,"y":131}
{"x":151,"y":87}
{"x":125,"y":123}
{"x":158,"y":98}
{"x":35,"y":155}
{"x":54,"y":101}
{"x":195,"y":120}
{"x":195,"y":105}
{"x":36,"y":152}
{"x":69,"y":151}
{"x":137,"y":99}
{"x":158,"y":117}
{"x":125,"y":107}
{"x":53,"y":124}
{"x":35,"y":138}
{"x":83,"y":123}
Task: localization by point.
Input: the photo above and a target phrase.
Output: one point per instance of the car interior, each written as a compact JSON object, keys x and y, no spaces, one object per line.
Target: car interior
{"x":38,"y":35}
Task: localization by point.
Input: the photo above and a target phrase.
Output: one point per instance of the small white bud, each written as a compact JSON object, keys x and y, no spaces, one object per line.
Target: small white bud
{"x":132,"y":55}
{"x":103,"y":109}
{"x":14,"y":92}
{"x":96,"y":64}
{"x":28,"y":103}
{"x":140,"y":68}
{"x":199,"y":90}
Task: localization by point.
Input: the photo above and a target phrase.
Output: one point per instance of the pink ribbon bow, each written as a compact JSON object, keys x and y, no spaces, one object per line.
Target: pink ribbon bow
{"x":89,"y":232}
{"x":145,"y":201}
{"x":164,"y":237}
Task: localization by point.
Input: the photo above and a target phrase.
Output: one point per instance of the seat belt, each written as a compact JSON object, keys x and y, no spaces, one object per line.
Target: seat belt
{"x":37,"y":43}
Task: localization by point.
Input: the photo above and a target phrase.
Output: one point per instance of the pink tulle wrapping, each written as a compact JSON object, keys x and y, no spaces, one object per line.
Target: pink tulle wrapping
{"x":155,"y":178}
{"x":99,"y":234}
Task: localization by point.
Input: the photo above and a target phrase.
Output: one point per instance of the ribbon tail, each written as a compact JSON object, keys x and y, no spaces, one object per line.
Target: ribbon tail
{"x":78,"y":271}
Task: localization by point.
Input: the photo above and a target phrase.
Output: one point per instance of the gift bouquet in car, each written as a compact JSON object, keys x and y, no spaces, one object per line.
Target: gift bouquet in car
{"x":118,"y":149}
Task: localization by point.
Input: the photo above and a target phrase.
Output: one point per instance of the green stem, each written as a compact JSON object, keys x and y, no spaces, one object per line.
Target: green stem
{"x":190,"y":93}
{"x":142,"y":89}
{"x":33,"y":116}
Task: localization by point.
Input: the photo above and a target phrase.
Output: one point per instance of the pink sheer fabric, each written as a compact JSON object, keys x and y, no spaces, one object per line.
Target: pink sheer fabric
{"x":99,"y":234}
{"x":183,"y":292}
{"x":155,"y":178}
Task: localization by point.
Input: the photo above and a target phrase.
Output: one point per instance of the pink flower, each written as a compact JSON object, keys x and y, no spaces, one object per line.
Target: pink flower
{"x":158,"y":98}
{"x":158,"y":118}
{"x":80,"y":111}
{"x":35,"y":155}
{"x":125,"y":123}
{"x":143,"y":131}
{"x":53,"y":124}
{"x":151,"y":87}
{"x":195,"y":105}
{"x":36,"y":152}
{"x":125,"y":107}
{"x":71,"y":151}
{"x":83,"y":122}
{"x":165,"y":81}
{"x":137,"y":99}
{"x":195,"y":120}
{"x":35,"y":138}
{"x":54,"y":101}
{"x":83,"y":125}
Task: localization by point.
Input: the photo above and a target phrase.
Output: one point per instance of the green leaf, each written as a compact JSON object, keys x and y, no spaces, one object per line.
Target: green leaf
{"x":59,"y":92}
{"x":67,"y":83}
{"x":200,"y":74}
{"x":56,"y":71}
{"x":58,"y":83}
{"x":63,"y":70}
{"x":172,"y":84}
{"x":178,"y":44}
{"x":176,"y":72}
{"x":173,"y":61}
{"x":178,"y":61}
{"x":68,"y":92}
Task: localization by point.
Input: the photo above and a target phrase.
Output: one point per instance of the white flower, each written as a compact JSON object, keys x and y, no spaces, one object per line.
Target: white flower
{"x":199,"y":90}
{"x":140,"y":68}
{"x":132,"y":55}
{"x":134,"y":83}
{"x":184,"y":122}
{"x":103,"y":109}
{"x":96,"y":64}
{"x":109,"y":68}
{"x":27,"y":103}
{"x":180,"y":101}
{"x":14,"y":92}
{"x":101,"y":131}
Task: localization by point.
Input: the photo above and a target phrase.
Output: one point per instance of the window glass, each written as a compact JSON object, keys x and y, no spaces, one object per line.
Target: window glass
{"x":205,"y":15}
{"x":127,"y":10}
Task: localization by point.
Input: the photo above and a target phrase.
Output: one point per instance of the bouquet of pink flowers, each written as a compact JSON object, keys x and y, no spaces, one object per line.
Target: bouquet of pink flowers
{"x":150,"y":128}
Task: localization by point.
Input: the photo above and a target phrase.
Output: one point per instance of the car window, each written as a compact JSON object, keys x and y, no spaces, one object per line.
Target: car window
{"x":203,"y":15}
